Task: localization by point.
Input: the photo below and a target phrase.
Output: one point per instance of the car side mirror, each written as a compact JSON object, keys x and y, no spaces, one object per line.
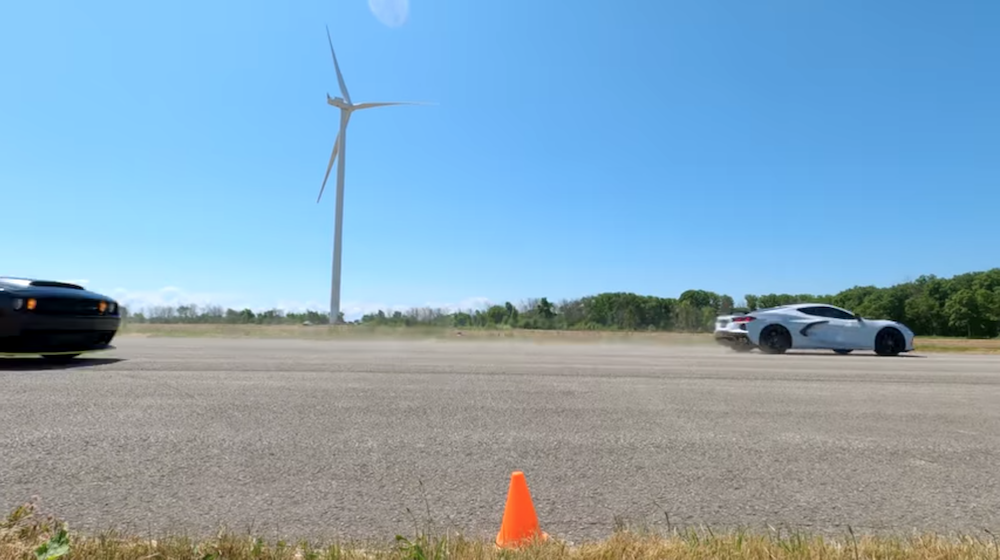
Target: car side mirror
{"x":858,"y":317}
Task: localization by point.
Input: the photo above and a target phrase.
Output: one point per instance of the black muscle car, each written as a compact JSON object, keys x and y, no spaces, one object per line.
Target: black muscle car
{"x":55,"y":320}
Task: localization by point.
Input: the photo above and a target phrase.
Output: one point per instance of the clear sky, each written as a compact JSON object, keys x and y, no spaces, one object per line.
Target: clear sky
{"x":173,"y":151}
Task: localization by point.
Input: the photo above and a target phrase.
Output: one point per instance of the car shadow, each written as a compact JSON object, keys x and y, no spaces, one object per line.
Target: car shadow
{"x":39,"y":364}
{"x":851,"y":355}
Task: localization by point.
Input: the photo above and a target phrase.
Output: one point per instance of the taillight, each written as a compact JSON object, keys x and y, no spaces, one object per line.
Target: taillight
{"x":745,"y":319}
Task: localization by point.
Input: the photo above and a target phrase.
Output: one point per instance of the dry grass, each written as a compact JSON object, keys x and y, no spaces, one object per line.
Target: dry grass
{"x":923,"y":344}
{"x":27,"y":535}
{"x":940,"y":344}
{"x":326,"y":332}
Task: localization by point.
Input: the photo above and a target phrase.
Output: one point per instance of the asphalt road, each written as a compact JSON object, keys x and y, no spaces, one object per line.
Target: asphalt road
{"x":338,"y":440}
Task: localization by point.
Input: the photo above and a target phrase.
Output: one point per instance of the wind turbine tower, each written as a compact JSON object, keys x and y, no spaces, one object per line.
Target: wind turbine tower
{"x":347,"y":108}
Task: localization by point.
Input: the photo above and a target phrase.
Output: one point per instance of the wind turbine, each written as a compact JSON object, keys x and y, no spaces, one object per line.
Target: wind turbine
{"x":347,"y":108}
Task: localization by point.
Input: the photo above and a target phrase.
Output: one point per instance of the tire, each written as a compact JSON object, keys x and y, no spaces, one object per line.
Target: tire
{"x":775,"y":339}
{"x":59,"y":358}
{"x":889,"y":342}
{"x":842,"y":351}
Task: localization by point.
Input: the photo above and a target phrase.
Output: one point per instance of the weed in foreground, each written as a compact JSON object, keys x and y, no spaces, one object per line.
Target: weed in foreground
{"x":27,"y":535}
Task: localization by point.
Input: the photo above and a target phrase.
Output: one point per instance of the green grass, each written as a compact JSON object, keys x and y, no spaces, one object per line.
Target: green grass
{"x":326,"y":332}
{"x":28,"y":535}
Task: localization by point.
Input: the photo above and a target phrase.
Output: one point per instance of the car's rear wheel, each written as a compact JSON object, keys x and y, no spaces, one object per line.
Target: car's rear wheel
{"x":775,"y":339}
{"x":889,"y":342}
{"x":59,"y":358}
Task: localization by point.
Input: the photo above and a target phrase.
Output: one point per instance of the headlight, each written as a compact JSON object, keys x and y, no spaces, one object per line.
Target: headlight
{"x":112,"y":307}
{"x":18,"y":303}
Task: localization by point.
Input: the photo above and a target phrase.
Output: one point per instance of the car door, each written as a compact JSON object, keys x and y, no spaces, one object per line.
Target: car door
{"x":834,"y":329}
{"x":848,"y":332}
{"x":820,"y":330}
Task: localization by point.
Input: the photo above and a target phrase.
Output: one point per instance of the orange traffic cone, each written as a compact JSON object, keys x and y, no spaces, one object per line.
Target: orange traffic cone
{"x":520,"y":523}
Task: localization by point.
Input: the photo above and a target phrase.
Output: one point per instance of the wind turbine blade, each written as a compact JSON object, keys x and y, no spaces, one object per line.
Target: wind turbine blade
{"x":340,"y":77}
{"x":387,"y":103}
{"x":333,"y":157}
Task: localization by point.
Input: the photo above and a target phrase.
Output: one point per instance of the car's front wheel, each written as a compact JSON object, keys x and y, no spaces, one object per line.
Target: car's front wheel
{"x":889,"y":342}
{"x":775,"y":339}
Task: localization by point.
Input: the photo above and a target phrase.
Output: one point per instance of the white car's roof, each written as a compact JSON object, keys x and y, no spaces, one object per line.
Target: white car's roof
{"x":801,"y":305}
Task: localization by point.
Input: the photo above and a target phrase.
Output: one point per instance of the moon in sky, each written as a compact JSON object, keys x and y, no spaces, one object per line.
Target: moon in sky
{"x":392,"y":13}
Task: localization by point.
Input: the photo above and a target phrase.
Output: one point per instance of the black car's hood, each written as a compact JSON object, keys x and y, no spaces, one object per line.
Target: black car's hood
{"x":47,"y":288}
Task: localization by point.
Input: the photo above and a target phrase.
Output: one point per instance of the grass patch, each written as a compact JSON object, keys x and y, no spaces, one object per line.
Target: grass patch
{"x":327,"y":332}
{"x":27,"y":535}
{"x":945,"y":344}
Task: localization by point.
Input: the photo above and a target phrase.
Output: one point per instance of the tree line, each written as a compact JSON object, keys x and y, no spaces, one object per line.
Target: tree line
{"x":215,"y":314}
{"x":965,"y":305}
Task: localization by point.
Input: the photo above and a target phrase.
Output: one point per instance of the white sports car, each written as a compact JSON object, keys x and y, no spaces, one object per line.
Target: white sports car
{"x":812,"y":326}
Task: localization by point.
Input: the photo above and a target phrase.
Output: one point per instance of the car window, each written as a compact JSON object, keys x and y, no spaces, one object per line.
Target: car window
{"x":816,"y":311}
{"x":827,"y":312}
{"x":835,"y":313}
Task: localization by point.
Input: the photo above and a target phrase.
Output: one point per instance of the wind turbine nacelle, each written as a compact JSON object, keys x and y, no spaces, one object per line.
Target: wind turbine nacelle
{"x":336,"y":102}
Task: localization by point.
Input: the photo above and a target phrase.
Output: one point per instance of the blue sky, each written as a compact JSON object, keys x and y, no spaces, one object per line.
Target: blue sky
{"x":171,"y":152}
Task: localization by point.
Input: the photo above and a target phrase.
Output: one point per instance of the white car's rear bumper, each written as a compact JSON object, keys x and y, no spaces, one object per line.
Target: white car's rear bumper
{"x":731,"y":334}
{"x":731,"y":338}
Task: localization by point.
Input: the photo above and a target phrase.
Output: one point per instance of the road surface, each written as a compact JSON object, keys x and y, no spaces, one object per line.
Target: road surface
{"x":326,"y":440}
